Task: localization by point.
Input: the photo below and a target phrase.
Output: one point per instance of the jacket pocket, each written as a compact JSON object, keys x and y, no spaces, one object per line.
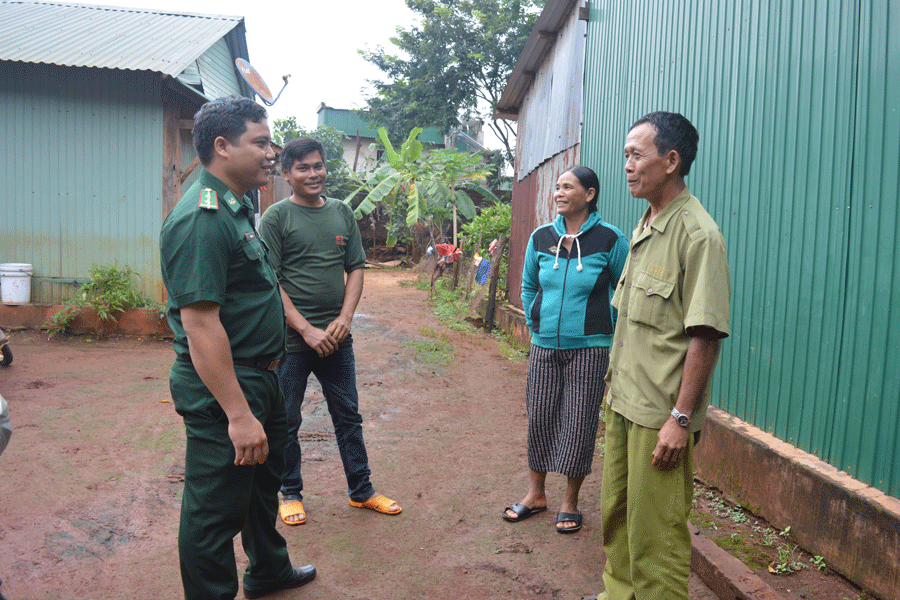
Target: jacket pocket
{"x":649,"y":302}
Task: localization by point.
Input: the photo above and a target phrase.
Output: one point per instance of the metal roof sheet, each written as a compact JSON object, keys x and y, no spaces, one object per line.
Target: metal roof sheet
{"x":86,"y":35}
{"x":549,"y":23}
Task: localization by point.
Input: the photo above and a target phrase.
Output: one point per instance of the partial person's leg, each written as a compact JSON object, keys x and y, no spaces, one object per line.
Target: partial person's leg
{"x":216,"y":492}
{"x":579,"y":420}
{"x":265,"y":547}
{"x":613,"y":506}
{"x":659,"y":503}
{"x":337,"y":374}
{"x":293,"y":374}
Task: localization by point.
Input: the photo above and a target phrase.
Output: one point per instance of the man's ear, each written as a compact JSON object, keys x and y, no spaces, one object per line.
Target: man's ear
{"x":673,"y":162}
{"x":221,"y":146}
{"x":285,"y":173}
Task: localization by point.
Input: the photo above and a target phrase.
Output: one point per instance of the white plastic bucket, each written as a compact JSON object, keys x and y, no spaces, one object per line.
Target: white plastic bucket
{"x":15,"y":283}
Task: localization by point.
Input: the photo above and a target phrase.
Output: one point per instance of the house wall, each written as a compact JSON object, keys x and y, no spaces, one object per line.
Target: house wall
{"x":798,"y":164}
{"x":547,"y":143}
{"x":218,"y":74}
{"x":82,"y":156}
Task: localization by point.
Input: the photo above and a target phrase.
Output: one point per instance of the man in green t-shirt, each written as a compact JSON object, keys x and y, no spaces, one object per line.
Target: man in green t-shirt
{"x":313,"y":242}
{"x":224,"y":308}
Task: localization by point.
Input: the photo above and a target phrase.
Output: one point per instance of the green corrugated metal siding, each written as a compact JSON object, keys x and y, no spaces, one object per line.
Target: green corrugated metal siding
{"x":217,"y":72}
{"x":82,"y":156}
{"x":798,"y":138}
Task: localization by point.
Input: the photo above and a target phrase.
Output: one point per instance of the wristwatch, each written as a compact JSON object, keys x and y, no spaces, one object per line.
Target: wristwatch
{"x":681,"y":418}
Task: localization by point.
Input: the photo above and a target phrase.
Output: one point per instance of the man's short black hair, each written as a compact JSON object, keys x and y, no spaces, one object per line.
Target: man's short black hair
{"x":225,"y":117}
{"x":673,"y":132}
{"x":588,"y":179}
{"x":299,"y":148}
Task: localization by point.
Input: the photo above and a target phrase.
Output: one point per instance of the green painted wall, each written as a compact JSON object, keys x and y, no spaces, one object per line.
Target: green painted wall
{"x":798,"y":163}
{"x":82,"y":156}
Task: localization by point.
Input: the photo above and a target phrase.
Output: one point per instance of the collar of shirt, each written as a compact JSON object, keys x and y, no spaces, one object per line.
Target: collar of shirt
{"x":663,"y":218}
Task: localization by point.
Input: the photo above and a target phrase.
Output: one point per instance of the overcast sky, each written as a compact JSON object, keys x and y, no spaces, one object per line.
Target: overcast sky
{"x":315,"y":42}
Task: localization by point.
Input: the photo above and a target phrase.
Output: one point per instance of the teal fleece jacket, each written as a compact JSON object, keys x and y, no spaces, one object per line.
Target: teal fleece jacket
{"x":566,"y":295}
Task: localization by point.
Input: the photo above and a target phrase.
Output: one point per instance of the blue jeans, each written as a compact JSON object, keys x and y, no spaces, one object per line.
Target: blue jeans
{"x":337,"y":375}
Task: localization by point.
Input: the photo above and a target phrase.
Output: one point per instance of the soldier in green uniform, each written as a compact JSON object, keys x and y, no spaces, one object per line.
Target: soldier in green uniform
{"x":225,"y":310}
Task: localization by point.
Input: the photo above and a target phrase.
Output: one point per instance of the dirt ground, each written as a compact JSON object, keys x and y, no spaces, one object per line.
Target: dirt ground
{"x":91,"y":481}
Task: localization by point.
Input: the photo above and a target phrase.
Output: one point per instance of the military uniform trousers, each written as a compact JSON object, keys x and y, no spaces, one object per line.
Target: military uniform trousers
{"x":220,"y":499}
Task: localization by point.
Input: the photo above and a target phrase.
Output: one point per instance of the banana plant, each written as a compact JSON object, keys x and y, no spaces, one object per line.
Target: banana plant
{"x":420,"y":188}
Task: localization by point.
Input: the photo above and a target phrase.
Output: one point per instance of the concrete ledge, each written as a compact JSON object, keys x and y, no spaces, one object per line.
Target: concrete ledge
{"x":137,"y":321}
{"x":726,"y":576}
{"x":854,"y":526}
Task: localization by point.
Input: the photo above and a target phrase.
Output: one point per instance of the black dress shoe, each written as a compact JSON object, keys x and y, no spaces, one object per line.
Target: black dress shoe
{"x":299,"y":576}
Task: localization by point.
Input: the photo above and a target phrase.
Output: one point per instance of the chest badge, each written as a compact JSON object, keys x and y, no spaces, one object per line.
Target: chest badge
{"x":340,"y":240}
{"x":209,"y":199}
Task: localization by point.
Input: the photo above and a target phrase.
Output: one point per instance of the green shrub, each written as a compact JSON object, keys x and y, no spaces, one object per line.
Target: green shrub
{"x":110,"y":291}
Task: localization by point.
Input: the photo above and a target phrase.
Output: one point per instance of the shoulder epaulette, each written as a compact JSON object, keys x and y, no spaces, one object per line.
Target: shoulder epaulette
{"x":209,"y":199}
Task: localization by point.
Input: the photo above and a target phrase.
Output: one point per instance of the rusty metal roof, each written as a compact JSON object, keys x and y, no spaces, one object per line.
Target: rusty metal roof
{"x":543,"y":36}
{"x":86,"y":35}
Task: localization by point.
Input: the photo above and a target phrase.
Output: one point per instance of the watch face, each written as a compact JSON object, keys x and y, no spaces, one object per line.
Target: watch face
{"x":683,"y":420}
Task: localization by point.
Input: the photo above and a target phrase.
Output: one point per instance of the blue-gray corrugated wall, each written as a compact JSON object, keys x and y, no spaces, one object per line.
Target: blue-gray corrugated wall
{"x":82,"y":173}
{"x":799,"y":160}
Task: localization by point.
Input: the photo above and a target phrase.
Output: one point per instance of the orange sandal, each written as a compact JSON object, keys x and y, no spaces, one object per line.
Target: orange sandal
{"x":379,"y":503}
{"x":292,"y":508}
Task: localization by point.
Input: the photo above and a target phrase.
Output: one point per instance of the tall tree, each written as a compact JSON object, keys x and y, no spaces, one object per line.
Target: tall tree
{"x":453,"y":65}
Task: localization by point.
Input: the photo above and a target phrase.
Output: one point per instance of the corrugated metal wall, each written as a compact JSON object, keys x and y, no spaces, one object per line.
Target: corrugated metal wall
{"x":218,"y":74}
{"x":549,"y":130}
{"x":81,"y":151}
{"x":798,"y":164}
{"x":550,"y":116}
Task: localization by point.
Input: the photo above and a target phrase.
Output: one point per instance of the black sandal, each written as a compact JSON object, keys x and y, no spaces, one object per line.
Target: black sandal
{"x":563,"y":517}
{"x":522,"y":512}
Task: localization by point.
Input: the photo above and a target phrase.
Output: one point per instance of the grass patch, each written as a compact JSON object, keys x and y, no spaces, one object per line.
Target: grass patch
{"x":428,"y":351}
{"x":735,"y":545}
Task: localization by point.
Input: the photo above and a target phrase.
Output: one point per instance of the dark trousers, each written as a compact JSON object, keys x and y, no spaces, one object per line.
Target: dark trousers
{"x":337,"y":375}
{"x":221,"y":499}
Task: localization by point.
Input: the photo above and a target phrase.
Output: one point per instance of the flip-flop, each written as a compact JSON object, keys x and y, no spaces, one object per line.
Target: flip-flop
{"x":379,"y":503}
{"x":522,"y":512}
{"x":291,"y":508}
{"x":563,"y":517}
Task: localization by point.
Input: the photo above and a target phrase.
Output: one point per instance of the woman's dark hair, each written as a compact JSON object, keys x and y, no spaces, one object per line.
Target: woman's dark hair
{"x":588,"y":179}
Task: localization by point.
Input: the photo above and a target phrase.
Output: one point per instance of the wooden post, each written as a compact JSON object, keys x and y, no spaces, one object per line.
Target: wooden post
{"x":454,"y":281}
{"x":491,"y":307}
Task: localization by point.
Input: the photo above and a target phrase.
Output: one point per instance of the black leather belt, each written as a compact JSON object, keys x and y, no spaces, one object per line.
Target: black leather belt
{"x":266,"y":364}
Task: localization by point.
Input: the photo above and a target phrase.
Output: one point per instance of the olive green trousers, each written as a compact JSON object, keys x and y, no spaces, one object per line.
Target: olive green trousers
{"x":645,"y":512}
{"x":220,"y":499}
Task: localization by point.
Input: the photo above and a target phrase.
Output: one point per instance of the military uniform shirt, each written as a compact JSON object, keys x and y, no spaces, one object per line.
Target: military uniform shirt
{"x":209,"y":251}
{"x":676,"y":277}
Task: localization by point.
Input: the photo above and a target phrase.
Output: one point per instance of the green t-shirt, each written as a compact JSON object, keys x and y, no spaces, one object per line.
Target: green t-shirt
{"x":310,"y":250}
{"x":209,"y":251}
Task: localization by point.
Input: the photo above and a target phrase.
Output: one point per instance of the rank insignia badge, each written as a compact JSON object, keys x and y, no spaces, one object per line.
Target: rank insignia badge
{"x":209,"y":199}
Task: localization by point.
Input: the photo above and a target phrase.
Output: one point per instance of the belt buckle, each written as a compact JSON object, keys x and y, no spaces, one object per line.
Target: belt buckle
{"x":273,"y":364}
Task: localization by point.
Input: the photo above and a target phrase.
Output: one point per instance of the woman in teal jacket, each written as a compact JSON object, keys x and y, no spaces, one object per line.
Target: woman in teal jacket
{"x":571,"y":270}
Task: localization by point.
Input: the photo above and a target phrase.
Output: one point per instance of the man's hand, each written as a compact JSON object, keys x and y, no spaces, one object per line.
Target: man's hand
{"x":671,"y":443}
{"x":339,"y":329}
{"x":321,"y":341}
{"x":250,"y":444}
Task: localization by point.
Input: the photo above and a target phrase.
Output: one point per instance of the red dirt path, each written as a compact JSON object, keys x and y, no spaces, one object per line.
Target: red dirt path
{"x":91,"y":481}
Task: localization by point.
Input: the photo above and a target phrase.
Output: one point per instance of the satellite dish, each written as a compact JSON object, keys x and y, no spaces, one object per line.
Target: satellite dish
{"x":255,"y":81}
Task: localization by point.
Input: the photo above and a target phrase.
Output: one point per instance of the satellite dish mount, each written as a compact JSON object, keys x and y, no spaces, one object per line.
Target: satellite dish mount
{"x":255,"y":81}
